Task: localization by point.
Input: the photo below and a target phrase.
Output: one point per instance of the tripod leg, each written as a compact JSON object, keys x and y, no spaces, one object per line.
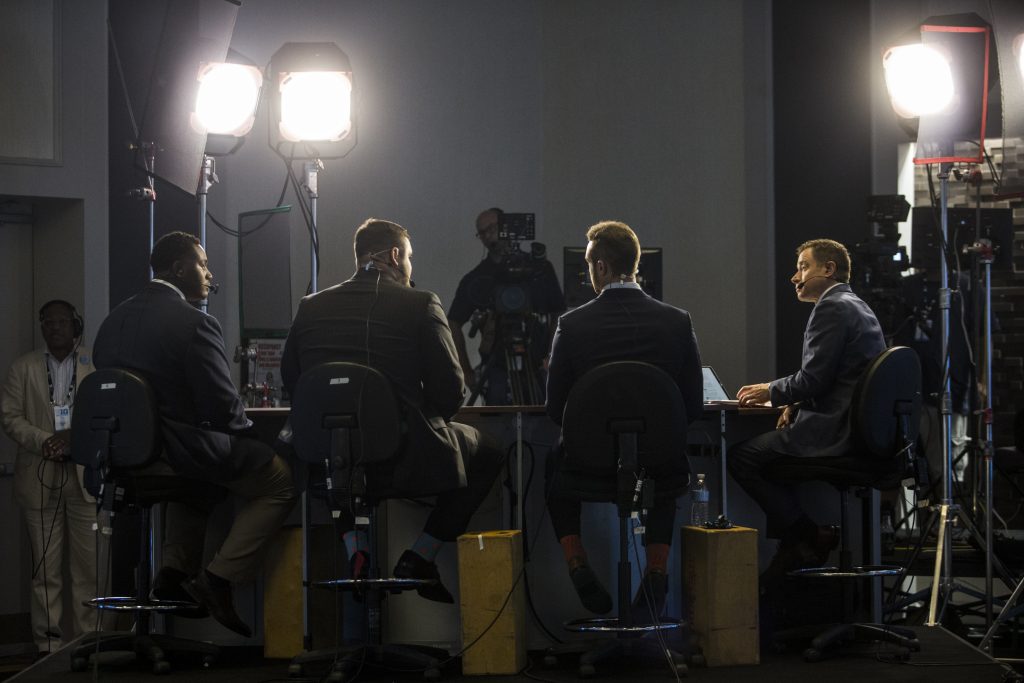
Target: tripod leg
{"x":936,"y":574}
{"x":973,"y":531}
{"x":1010,"y":602}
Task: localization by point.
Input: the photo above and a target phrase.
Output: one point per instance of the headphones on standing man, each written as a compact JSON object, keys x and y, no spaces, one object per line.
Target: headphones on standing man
{"x":77,"y":323}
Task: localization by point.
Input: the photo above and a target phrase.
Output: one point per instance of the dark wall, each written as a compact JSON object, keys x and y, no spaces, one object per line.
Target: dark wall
{"x":822,"y":95}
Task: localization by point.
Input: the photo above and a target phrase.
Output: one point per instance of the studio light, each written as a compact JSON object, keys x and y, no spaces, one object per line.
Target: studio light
{"x":938,"y":79}
{"x":315,"y":106}
{"x":311,"y":99}
{"x":227,"y":98}
{"x":919,"y":79}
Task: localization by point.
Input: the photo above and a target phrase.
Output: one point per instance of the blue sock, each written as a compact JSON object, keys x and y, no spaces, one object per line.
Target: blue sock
{"x":427,"y":547}
{"x":356,"y":541}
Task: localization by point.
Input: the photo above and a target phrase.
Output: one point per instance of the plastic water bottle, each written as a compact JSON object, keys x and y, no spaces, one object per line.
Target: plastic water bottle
{"x":699,"y":497}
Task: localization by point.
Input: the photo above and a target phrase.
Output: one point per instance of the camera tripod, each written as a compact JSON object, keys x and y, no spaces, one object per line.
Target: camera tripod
{"x":510,"y":367}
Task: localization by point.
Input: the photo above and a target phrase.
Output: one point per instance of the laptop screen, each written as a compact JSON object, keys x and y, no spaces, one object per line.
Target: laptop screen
{"x":713,"y":389}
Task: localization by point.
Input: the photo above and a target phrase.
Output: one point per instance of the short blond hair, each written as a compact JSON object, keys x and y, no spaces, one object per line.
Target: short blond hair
{"x":617,"y":245}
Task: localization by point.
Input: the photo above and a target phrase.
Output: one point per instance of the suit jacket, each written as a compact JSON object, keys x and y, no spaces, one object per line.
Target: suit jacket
{"x":624,"y":324}
{"x":403,"y":333}
{"x":28,"y":420}
{"x":842,"y":337}
{"x":179,"y":350}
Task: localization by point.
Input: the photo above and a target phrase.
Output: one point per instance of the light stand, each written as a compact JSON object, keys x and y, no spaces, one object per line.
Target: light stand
{"x":148,"y":193}
{"x":948,"y":511}
{"x":943,"y":551}
{"x":313,"y":169}
{"x":985,"y":644}
{"x":983,"y":254}
{"x":207,"y":178}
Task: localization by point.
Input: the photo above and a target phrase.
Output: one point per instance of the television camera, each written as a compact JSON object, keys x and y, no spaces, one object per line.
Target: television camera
{"x":512,"y":307}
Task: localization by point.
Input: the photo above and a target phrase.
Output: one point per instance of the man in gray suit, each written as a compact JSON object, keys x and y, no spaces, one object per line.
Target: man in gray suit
{"x":179,"y":350}
{"x":376,"y":318}
{"x":841,"y":339}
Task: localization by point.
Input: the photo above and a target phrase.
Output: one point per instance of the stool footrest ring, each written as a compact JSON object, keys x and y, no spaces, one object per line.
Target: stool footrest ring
{"x":612,"y":625}
{"x":863,"y":572}
{"x":389,"y":584}
{"x":133,"y":604}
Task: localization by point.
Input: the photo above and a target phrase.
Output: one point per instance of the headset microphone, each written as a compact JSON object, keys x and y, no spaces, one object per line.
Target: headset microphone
{"x":800,"y":285}
{"x":214,"y":286}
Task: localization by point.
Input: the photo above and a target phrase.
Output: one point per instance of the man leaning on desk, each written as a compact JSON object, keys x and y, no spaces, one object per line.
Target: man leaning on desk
{"x":376,"y":318}
{"x":841,"y":339}
{"x":622,"y":323}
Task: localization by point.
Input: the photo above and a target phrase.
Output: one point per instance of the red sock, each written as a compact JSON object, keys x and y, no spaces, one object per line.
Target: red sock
{"x":572,"y":548}
{"x":657,"y":557}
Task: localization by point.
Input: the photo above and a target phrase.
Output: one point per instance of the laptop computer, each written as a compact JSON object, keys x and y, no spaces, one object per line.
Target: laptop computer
{"x":714,"y":392}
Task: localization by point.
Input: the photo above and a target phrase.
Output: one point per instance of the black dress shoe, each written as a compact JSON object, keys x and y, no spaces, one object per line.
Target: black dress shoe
{"x":167,"y":587}
{"x":800,"y":555}
{"x":592,"y":594}
{"x":218,"y":601}
{"x":411,"y":565}
{"x":649,"y":601}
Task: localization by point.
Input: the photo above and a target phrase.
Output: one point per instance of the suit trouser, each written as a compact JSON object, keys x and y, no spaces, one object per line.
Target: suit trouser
{"x":483,"y":458}
{"x":267,"y":494}
{"x":49,"y":529}
{"x":748,"y":461}
{"x":564,"y":507}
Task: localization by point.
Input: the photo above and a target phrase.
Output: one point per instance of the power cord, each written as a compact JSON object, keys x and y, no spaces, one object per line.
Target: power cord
{"x":649,"y":599}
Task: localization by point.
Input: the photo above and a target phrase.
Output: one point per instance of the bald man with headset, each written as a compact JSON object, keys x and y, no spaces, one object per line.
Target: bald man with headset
{"x":36,"y":406}
{"x":841,"y":338}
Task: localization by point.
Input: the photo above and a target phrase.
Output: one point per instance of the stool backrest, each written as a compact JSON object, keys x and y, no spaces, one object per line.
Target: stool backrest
{"x":115,"y":422}
{"x":886,"y":407}
{"x":624,"y":397}
{"x":351,"y":396}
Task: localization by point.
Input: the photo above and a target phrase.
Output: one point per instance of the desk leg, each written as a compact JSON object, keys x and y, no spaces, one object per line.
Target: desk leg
{"x":307,"y":627}
{"x":723,"y":493}
{"x":520,"y":502}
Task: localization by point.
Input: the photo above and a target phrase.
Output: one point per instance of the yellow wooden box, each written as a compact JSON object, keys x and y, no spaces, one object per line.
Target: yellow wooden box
{"x":490,"y":566}
{"x":720,"y":580}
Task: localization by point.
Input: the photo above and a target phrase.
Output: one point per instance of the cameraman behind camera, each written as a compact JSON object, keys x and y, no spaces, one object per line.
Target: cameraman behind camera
{"x":511,"y":298}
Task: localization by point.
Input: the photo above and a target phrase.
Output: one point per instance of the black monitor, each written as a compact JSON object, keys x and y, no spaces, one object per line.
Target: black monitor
{"x":576,"y":276}
{"x":264,"y":272}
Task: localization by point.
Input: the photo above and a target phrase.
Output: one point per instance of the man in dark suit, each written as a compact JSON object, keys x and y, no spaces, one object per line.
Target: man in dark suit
{"x":841,"y":338}
{"x":179,"y":350}
{"x":622,"y":323}
{"x":376,"y":318}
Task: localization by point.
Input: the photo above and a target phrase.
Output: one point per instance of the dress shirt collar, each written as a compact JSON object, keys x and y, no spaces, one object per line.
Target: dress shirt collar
{"x":823,"y":294}
{"x":621,"y":285}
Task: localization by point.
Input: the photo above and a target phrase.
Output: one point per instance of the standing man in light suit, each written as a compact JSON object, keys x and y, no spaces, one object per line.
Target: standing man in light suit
{"x":36,"y":406}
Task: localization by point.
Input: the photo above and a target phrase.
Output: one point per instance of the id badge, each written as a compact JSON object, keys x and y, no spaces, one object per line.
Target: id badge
{"x":61,"y":418}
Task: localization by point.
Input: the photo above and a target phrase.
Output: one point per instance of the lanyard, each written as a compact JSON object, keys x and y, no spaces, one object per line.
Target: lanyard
{"x":71,"y":387}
